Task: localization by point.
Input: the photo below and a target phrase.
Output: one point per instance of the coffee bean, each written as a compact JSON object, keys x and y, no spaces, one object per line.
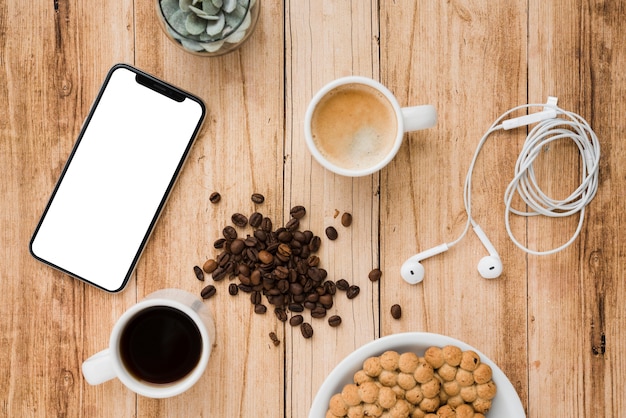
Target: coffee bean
{"x":315,"y":244}
{"x":266,"y":224}
{"x":209,"y":266}
{"x":255,"y":298}
{"x":260,"y":309}
{"x":331,"y":233}
{"x":219,"y":274}
{"x":245,"y":288}
{"x":265,"y":257}
{"x":243,"y":270}
{"x":296,"y":320}
{"x":296,"y":307}
{"x":313,"y":261}
{"x":297,"y":212}
{"x":199,"y":273}
{"x":293,"y":224}
{"x":285,"y":236}
{"x":223,"y":259}
{"x":299,"y":237}
{"x":271,"y":248}
{"x":239,"y":219}
{"x":396,"y":311}
{"x":255,"y":277}
{"x":258,"y":198}
{"x":334,"y":321}
{"x":274,"y":338}
{"x":315,"y":274}
{"x":229,"y":233}
{"x":282,"y":286}
{"x":281,"y":314}
{"x":312,"y":297}
{"x":353,"y":291}
{"x":330,"y":287}
{"x":306,"y":329}
{"x":237,"y":246}
{"x":208,"y":291}
{"x":260,"y":235}
{"x":318,"y":312}
{"x":342,"y":284}
{"x":255,"y":220}
{"x":233,"y":289}
{"x":215,"y":197}
{"x":346,"y":219}
{"x":374,"y":275}
{"x":326,"y":300}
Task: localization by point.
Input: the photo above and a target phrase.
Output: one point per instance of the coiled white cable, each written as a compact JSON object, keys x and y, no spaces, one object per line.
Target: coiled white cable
{"x":550,"y":127}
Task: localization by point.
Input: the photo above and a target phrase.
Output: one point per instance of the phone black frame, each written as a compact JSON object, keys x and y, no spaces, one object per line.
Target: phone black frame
{"x":162,"y":87}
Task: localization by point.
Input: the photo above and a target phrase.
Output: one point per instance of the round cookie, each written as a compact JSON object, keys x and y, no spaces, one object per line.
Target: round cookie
{"x":389,"y":360}
{"x":372,"y":367}
{"x":407,"y":362}
{"x":368,"y":392}
{"x":350,"y":394}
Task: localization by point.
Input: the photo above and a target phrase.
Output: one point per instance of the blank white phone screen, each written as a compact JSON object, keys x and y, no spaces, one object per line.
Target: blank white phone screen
{"x":118,"y":177}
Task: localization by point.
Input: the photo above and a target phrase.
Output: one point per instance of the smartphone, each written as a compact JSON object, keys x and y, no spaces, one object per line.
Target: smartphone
{"x":118,"y":176}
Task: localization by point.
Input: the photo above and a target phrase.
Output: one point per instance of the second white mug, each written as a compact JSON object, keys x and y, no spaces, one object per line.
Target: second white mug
{"x":159,"y":347}
{"x":354,"y":125}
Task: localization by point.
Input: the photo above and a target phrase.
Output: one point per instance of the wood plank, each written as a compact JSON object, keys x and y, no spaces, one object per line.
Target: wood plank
{"x":459,"y":57}
{"x":324,"y":41}
{"x":575,"y":53}
{"x":239,"y":152}
{"x":50,"y":324}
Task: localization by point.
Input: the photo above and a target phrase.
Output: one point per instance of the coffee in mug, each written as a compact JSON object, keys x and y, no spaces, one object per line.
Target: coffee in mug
{"x":159,"y":347}
{"x":354,"y":125}
{"x":160,"y":344}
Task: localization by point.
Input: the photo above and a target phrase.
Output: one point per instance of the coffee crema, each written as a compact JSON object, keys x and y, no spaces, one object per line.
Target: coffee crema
{"x":160,"y":345}
{"x":354,"y":126}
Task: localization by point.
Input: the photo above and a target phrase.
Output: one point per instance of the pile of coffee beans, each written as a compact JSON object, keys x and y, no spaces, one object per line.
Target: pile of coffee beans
{"x":277,"y":267}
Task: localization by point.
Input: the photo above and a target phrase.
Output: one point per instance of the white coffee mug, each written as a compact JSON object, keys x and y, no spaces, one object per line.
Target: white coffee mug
{"x":354,"y":125}
{"x":132,"y":355}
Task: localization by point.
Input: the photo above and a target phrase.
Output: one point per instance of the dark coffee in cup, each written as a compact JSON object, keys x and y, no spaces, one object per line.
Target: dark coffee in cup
{"x":160,"y":345}
{"x":354,"y":126}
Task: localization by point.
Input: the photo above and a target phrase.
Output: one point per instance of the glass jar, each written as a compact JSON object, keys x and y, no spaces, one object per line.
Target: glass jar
{"x":208,"y":27}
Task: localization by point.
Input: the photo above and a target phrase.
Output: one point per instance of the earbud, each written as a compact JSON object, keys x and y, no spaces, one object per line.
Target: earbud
{"x":412,"y":270}
{"x":489,"y":266}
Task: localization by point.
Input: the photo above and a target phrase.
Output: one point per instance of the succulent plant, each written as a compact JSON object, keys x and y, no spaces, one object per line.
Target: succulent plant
{"x":205,"y":25}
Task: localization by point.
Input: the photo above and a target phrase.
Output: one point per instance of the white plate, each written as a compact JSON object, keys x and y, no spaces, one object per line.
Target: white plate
{"x":506,"y":404}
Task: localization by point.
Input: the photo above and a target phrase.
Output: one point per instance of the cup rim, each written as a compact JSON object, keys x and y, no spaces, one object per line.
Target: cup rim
{"x":155,"y":390}
{"x":353,"y":79}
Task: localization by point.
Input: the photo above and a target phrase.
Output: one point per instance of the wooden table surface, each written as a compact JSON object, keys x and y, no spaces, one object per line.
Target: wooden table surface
{"x":556,"y":325}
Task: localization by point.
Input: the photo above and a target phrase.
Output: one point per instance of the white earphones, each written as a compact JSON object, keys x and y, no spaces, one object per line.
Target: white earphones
{"x":490,"y":266}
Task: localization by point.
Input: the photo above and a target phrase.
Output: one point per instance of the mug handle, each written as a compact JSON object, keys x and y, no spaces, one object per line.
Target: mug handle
{"x":99,"y":368}
{"x":419,"y":117}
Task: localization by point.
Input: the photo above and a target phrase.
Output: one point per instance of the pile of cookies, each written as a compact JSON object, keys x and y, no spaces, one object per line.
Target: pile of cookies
{"x":446,"y":382}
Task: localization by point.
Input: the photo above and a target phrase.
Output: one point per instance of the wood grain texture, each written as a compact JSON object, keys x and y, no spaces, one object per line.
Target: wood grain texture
{"x":575,"y":297}
{"x":453,"y":45}
{"x":554,"y":324}
{"x":324,"y":41}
